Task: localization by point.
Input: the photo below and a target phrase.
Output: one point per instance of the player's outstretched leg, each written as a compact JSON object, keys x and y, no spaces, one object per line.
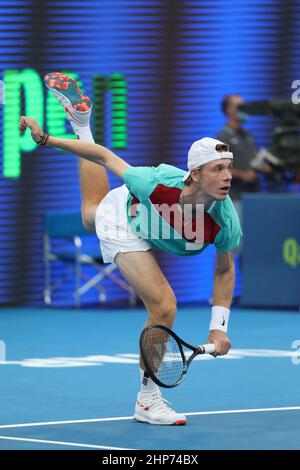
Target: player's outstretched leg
{"x":93,"y":178}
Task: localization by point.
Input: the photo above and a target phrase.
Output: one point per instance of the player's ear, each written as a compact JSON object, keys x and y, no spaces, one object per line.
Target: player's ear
{"x":196,"y":175}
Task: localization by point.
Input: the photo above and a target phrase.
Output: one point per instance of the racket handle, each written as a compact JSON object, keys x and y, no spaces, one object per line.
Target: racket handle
{"x":209,"y":348}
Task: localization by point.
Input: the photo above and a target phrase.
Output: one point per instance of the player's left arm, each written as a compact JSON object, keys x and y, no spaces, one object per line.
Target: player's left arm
{"x":224,"y":280}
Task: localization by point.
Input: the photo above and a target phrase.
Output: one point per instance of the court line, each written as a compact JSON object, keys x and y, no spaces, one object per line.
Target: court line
{"x":127,"y":418}
{"x":73,"y":421}
{"x":62,"y":443}
{"x":246,"y":410}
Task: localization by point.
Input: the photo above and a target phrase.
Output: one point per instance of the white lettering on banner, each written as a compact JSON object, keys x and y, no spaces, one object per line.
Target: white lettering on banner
{"x":2,"y":352}
{"x":296,"y":354}
{"x":296,"y":95}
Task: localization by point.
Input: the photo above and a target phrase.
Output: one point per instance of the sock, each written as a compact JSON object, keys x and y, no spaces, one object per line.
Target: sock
{"x":147,"y":384}
{"x":83,"y":133}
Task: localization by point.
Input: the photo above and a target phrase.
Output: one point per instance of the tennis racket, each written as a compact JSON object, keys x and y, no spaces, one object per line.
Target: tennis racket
{"x":164,"y":357}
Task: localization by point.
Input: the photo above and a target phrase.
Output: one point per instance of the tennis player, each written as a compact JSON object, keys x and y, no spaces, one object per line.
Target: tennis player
{"x":128,"y":222}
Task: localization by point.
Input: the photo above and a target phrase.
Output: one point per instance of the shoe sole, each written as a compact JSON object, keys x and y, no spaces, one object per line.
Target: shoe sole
{"x":66,"y":90}
{"x":179,"y":422}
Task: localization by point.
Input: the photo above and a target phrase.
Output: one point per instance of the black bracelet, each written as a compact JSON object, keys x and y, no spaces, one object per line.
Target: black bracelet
{"x":43,"y":139}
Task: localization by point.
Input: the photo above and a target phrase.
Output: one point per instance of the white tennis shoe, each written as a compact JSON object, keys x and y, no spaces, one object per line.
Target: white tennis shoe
{"x":76,"y":105}
{"x":152,"y":408}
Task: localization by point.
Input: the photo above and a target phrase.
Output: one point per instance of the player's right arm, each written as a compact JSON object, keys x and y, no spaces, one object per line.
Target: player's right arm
{"x":92,"y":152}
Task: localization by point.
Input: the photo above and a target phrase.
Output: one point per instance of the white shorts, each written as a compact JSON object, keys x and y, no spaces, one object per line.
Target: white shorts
{"x":113,"y":229}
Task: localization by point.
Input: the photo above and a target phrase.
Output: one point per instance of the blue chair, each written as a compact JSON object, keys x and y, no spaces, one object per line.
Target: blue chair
{"x":63,"y":241}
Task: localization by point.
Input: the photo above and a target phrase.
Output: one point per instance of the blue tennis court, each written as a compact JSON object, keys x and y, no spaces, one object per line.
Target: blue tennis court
{"x":69,"y":381}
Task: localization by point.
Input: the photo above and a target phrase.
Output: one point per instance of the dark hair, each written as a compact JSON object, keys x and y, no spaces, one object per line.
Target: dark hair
{"x":226,"y":101}
{"x":222,"y":147}
{"x":188,"y":182}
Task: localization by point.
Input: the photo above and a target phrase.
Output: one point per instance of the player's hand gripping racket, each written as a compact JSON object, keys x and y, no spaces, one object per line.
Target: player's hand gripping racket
{"x":164,"y":358}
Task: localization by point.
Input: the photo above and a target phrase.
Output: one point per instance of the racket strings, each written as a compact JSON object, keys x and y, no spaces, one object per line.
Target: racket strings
{"x":163,"y":356}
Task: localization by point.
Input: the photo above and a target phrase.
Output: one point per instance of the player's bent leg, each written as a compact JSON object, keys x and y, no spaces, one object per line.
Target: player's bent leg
{"x":141,"y":270}
{"x":145,"y":276}
{"x":94,"y":187}
{"x":93,"y":178}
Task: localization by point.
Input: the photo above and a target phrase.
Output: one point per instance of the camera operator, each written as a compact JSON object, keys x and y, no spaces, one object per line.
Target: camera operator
{"x":242,"y":145}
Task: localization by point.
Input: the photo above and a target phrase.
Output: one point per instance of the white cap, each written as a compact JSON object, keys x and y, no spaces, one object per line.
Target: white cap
{"x":204,"y":151}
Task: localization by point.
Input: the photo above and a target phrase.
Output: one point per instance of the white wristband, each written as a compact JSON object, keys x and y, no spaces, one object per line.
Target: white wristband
{"x":219,"y":319}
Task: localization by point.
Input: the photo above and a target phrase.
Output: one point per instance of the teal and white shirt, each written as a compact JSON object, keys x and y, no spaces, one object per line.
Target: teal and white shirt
{"x":154,"y":190}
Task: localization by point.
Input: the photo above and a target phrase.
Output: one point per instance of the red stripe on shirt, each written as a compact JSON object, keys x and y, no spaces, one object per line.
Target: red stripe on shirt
{"x":168,"y":195}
